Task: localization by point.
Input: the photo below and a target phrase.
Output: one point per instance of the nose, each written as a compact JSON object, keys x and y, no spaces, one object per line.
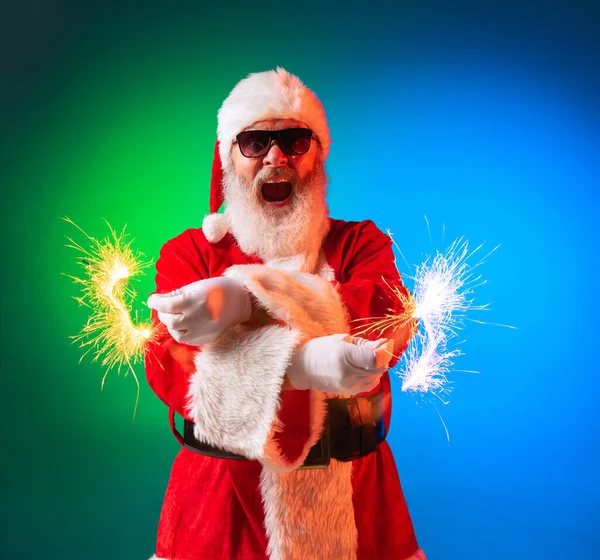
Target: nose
{"x":275,"y":157}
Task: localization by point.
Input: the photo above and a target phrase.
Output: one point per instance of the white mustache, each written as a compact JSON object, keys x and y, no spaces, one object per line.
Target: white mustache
{"x":266,"y":174}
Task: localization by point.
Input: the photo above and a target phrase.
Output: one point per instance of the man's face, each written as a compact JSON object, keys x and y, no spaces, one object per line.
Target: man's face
{"x":275,"y":174}
{"x":276,"y":202}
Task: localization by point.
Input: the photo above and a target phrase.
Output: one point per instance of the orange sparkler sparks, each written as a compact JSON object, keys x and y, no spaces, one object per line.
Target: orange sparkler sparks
{"x":110,"y":334}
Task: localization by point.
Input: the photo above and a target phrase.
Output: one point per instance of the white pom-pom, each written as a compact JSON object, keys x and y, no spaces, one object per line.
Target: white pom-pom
{"x":215,"y":227}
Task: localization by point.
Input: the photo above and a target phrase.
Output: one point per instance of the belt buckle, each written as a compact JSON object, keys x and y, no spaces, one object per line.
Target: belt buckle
{"x":319,"y":455}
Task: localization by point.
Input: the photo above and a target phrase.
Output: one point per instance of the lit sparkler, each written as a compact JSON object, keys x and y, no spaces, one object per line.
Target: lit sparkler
{"x":110,"y":334}
{"x":443,"y":289}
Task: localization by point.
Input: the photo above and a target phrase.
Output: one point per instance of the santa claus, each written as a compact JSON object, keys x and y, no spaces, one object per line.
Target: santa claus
{"x":285,"y":412}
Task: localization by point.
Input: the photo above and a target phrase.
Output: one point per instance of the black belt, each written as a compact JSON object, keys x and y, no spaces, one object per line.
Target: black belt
{"x":353,"y":428}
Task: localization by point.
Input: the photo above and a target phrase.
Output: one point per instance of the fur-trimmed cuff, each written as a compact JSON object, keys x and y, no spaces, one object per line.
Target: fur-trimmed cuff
{"x":234,"y":393}
{"x":306,"y":302}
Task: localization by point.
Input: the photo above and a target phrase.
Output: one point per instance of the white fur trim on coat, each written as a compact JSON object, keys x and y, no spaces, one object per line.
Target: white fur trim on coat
{"x":234,"y":394}
{"x":275,"y":94}
{"x":234,"y":399}
{"x":215,"y":227}
{"x":308,"y":513}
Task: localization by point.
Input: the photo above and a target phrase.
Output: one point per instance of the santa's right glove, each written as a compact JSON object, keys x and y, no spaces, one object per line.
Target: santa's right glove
{"x":340,"y":364}
{"x":200,"y":312}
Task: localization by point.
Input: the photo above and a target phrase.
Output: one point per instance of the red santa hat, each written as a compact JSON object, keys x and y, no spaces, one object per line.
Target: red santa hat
{"x":275,"y":94}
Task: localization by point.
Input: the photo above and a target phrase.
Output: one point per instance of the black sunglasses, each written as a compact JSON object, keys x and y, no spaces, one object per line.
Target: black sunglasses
{"x":292,"y":141}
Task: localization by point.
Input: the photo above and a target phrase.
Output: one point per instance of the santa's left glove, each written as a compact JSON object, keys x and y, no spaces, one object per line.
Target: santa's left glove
{"x":201,"y":312}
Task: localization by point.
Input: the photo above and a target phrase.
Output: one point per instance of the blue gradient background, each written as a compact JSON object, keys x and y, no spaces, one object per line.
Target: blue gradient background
{"x":483,"y":118}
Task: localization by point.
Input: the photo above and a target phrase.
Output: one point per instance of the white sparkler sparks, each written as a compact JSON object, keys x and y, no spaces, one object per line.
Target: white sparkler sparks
{"x":443,"y":288}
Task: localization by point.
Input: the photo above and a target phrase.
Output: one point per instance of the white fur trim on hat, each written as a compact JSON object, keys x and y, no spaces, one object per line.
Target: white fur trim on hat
{"x":215,"y":227}
{"x":275,"y":94}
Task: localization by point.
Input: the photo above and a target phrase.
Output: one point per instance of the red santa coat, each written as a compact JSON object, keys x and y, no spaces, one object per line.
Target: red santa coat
{"x":221,"y":509}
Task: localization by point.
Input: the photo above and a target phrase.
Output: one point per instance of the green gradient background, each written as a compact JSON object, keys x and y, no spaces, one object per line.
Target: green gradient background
{"x":474,"y":113}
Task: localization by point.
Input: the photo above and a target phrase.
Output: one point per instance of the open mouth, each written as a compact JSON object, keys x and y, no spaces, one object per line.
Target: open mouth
{"x":276,"y":192}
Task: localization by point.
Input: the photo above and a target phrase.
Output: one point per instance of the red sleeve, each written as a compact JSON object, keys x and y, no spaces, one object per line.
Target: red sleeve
{"x":169,"y":364}
{"x":367,"y":275}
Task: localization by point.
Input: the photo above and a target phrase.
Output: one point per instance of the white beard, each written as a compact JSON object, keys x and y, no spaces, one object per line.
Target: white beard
{"x":298,"y":228}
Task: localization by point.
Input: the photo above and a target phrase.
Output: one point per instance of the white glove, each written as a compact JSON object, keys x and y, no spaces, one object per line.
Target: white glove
{"x":340,"y":364}
{"x":200,"y":312}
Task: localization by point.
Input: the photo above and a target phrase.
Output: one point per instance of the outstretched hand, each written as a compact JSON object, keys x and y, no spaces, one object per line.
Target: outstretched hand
{"x":200,"y":312}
